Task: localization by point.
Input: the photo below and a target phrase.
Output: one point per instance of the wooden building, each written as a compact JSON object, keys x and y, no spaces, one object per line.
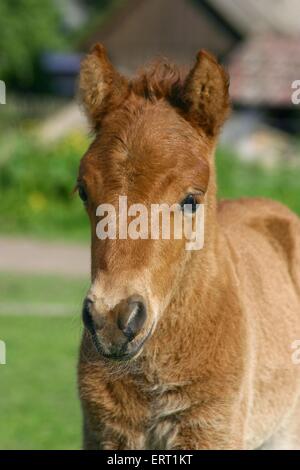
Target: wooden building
{"x":141,"y":29}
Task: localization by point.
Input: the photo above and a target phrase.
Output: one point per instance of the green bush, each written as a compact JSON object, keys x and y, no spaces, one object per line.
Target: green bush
{"x":36,"y":184}
{"x":27,"y":29}
{"x":237,"y":178}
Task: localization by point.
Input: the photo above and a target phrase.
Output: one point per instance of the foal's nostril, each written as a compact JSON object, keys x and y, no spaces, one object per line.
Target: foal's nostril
{"x":91,"y":323}
{"x":132,"y":318}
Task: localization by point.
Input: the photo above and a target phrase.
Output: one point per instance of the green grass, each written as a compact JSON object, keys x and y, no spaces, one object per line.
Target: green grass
{"x":39,"y":407}
{"x":20,"y":292}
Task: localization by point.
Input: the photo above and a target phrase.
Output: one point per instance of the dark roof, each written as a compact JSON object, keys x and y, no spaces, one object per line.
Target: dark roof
{"x":143,"y":29}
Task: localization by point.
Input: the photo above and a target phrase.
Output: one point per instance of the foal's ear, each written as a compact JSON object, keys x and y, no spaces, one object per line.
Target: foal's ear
{"x":100,"y":85}
{"x":205,"y":93}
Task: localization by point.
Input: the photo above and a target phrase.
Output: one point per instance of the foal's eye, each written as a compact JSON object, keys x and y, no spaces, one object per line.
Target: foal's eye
{"x":82,"y":194}
{"x":189,"y":204}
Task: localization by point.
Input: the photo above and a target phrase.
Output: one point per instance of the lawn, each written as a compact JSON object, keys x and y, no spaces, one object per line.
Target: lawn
{"x":39,"y":407}
{"x":40,"y":295}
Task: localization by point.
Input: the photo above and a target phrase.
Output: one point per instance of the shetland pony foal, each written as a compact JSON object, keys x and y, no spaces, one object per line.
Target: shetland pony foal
{"x":183,"y":349}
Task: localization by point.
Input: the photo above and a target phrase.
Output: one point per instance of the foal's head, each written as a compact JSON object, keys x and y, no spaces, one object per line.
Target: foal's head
{"x":154,"y":138}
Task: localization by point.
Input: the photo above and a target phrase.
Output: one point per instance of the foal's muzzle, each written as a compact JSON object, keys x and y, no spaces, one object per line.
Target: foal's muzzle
{"x":115,"y":334}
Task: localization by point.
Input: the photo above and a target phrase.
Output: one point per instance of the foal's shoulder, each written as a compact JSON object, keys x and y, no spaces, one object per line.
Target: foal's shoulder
{"x":255,"y":212}
{"x":259,"y":223}
{"x":268,"y":218}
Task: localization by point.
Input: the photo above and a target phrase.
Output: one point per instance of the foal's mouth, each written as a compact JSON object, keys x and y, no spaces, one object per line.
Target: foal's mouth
{"x":128,"y":352}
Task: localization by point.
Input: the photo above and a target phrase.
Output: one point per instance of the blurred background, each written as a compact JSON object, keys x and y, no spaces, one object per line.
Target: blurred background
{"x":44,"y":233}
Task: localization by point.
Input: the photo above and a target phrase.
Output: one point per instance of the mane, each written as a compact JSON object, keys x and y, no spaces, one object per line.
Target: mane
{"x":160,"y":78}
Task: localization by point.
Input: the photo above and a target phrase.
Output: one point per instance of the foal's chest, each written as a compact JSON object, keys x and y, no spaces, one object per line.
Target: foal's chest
{"x":166,"y":409}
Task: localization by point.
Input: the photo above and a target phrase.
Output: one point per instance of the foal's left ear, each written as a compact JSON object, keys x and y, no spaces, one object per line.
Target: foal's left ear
{"x":205,"y":94}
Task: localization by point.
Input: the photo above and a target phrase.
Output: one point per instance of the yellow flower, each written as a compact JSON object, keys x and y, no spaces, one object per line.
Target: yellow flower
{"x":37,"y":201}
{"x":75,"y":141}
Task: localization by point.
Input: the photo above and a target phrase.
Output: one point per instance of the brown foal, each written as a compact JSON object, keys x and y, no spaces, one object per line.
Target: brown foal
{"x":183,"y":349}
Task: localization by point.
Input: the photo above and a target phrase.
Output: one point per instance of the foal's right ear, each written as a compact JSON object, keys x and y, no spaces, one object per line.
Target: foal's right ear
{"x":100,"y":85}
